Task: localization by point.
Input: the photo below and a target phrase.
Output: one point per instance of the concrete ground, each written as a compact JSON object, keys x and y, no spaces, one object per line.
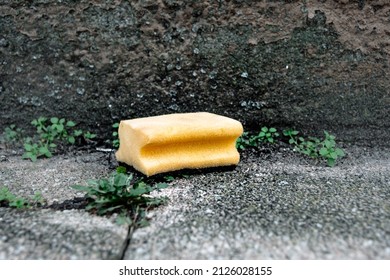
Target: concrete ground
{"x":276,"y":204}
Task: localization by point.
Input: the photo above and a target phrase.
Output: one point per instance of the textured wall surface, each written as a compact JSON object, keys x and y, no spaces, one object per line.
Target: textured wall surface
{"x":312,"y":65}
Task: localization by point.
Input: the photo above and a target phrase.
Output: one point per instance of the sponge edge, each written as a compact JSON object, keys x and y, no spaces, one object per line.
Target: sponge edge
{"x":172,"y":142}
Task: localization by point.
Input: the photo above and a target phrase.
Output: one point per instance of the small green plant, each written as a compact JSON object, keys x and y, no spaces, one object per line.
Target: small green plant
{"x":121,"y":193}
{"x":169,"y":178}
{"x":88,"y":135}
{"x":329,"y":150}
{"x":244,"y":141}
{"x":12,"y":134}
{"x":51,"y":133}
{"x":292,"y":135}
{"x":115,"y":142}
{"x":9,"y":199}
{"x":266,"y":135}
{"x":57,"y":129}
{"x":35,"y":150}
{"x":314,"y":147}
{"x":121,"y":169}
{"x":308,"y":147}
{"x":12,"y":200}
{"x":38,"y":199}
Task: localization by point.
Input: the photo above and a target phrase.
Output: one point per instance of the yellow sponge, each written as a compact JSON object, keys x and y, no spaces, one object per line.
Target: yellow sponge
{"x":165,"y":143}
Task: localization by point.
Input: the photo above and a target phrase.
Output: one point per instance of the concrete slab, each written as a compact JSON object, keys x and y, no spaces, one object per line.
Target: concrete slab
{"x":52,"y":177}
{"x":274,"y":205}
{"x":49,"y":234}
{"x":278,"y":206}
{"x":58,"y":235}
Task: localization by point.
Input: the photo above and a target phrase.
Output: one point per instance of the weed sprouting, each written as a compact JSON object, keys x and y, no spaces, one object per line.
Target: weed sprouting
{"x":51,"y":133}
{"x":266,"y":135}
{"x":316,"y":148}
{"x":115,"y":142}
{"x":11,"y":200}
{"x":329,"y":151}
{"x":121,"y":193}
{"x":12,"y":134}
{"x":310,"y":146}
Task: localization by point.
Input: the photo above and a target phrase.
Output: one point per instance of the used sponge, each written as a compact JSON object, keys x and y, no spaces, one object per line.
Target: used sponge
{"x":171,"y":142}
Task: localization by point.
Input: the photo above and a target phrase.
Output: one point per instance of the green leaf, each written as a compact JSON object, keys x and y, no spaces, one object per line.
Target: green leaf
{"x":60,"y":128}
{"x":33,"y":157}
{"x":28,"y":147}
{"x":27,"y":155}
{"x":162,"y":185}
{"x":333,"y":155}
{"x":331,"y":162}
{"x":272,"y":129}
{"x":104,"y":185}
{"x":70,"y":124}
{"x":42,"y":150}
{"x":120,"y":180}
{"x":81,"y":188}
{"x":123,"y":220}
{"x":42,"y":119}
{"x":94,"y":183}
{"x":140,"y":190}
{"x":265,"y":129}
{"x":6,"y":195}
{"x":169,"y":178}
{"x":71,"y":140}
{"x":328,"y":144}
{"x":143,"y":223}
{"x":54,"y":120}
{"x":30,"y":155}
{"x":121,"y":169}
{"x":77,"y":133}
{"x":340,"y":152}
{"x":110,"y":209}
{"x":38,"y":198}
{"x":89,"y":135}
{"x":324,"y":151}
{"x":329,"y":136}
{"x":48,"y":154}
{"x":19,"y":203}
{"x":90,"y":206}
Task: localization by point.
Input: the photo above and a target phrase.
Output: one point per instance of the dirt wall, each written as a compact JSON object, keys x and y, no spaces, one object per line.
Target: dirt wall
{"x":312,"y":65}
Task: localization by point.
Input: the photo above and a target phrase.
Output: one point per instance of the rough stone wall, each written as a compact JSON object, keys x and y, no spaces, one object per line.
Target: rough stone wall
{"x":308,"y":64}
